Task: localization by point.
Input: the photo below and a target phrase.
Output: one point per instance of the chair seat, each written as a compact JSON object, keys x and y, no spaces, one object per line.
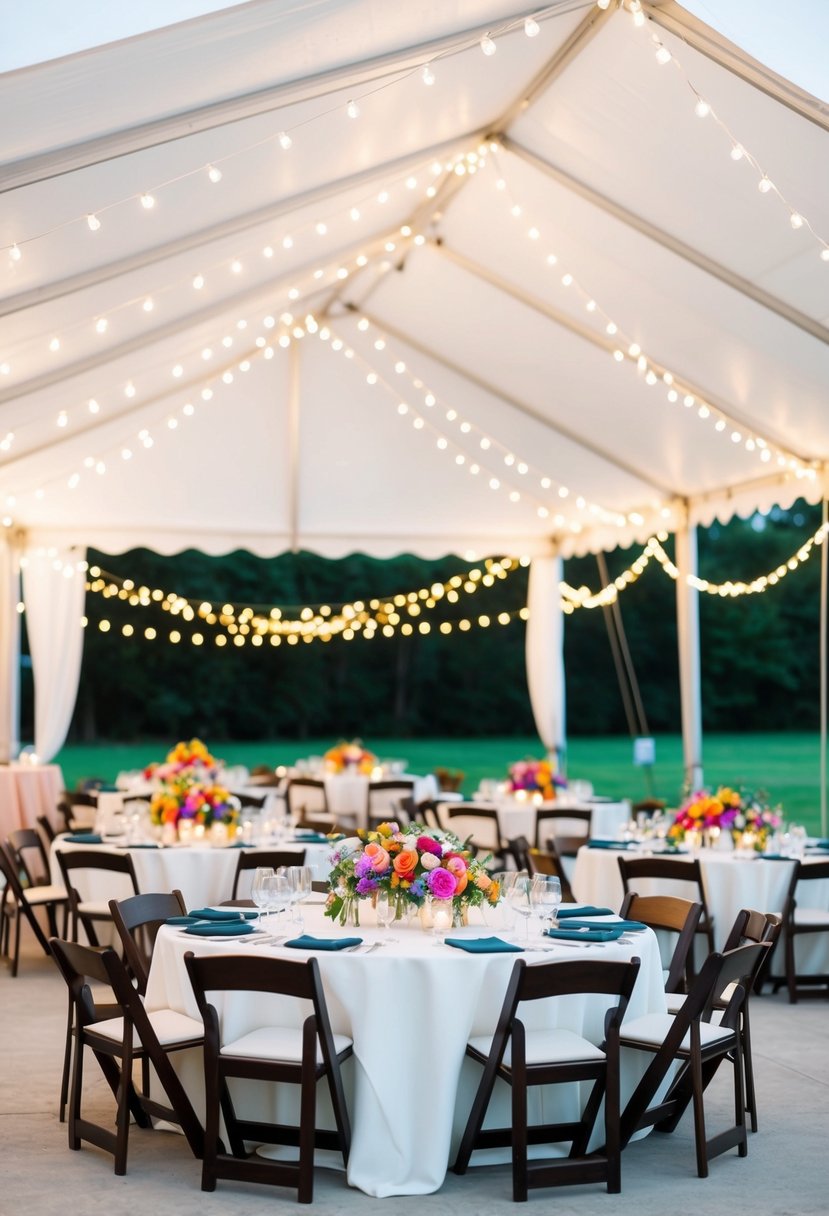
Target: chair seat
{"x":545,"y":1047}
{"x":277,"y":1043}
{"x":95,"y":907}
{"x":45,"y":894}
{"x":652,"y":1029}
{"x":804,"y":917}
{"x":170,"y":1027}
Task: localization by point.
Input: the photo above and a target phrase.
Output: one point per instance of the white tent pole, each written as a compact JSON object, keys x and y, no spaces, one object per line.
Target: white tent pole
{"x":824,"y":580}
{"x":9,"y":649}
{"x":687,"y":617}
{"x":545,"y":653}
{"x":293,"y":442}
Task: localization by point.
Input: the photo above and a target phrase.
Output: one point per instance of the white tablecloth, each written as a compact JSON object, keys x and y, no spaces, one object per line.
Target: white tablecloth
{"x":730,"y":884}
{"x":26,"y":791}
{"x":347,"y":793}
{"x":410,"y":1008}
{"x":202,"y":874}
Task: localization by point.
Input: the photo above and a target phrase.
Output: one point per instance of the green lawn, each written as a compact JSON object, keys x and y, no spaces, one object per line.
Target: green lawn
{"x":785,"y":765}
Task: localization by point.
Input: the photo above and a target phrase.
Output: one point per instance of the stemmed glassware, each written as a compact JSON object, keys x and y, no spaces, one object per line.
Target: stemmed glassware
{"x":518,"y":897}
{"x":299,"y":886}
{"x":386,"y":910}
{"x":545,"y":897}
{"x":261,"y":890}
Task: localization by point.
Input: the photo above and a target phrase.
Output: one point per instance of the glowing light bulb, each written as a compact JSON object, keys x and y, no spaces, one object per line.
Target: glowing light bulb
{"x":487,"y":45}
{"x":352,"y":109}
{"x":198,"y":282}
{"x":764,"y":184}
{"x":321,"y":228}
{"x":737,"y":152}
{"x":93,"y":406}
{"x":214,"y":174}
{"x":148,"y":304}
{"x":93,"y":223}
{"x":796,"y":220}
{"x":129,"y":389}
{"x":427,"y":75}
{"x":101,"y":325}
{"x":14,"y":253}
{"x":702,"y":108}
{"x":354,"y":213}
{"x":603,"y":4}
{"x":824,"y":253}
{"x":531,"y":27}
{"x":236,"y":266}
{"x":285,"y":141}
{"x":147,"y":202}
{"x":54,"y":345}
{"x":663,"y":55}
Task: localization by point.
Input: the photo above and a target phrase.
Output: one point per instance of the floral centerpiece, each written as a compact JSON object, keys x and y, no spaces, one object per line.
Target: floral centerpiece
{"x":414,"y":864}
{"x":727,"y":810}
{"x":187,"y":788}
{"x":535,"y":777}
{"x":350,"y":757}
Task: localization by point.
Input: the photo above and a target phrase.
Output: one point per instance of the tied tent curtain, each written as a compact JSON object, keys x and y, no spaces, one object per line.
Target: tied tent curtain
{"x":54,"y":587}
{"x":9,"y":649}
{"x":545,"y":652}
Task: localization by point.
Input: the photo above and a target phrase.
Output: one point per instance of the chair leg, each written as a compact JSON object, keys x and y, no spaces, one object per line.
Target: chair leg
{"x":67,"y":1060}
{"x":613,"y":1148}
{"x":791,"y":974}
{"x":740,"y":1097}
{"x":519,"y":1137}
{"x":307,"y":1123}
{"x":16,"y":956}
{"x":75,"y":1096}
{"x":748,"y":1070}
{"x":122,"y":1118}
{"x":699,"y":1115}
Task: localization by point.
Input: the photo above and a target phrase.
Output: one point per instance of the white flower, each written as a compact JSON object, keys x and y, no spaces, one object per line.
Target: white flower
{"x":429,"y":861}
{"x":352,"y":844}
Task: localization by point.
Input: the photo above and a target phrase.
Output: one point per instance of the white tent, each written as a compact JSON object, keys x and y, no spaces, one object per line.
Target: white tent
{"x":346,"y":275}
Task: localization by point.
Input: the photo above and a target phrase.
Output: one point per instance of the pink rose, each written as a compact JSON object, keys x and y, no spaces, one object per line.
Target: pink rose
{"x":379,"y":858}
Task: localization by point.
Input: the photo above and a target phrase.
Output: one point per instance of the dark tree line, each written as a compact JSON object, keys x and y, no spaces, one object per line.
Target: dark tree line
{"x":760,"y":653}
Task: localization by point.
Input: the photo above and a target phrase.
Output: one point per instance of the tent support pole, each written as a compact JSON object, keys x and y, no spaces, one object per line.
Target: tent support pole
{"x":824,"y":674}
{"x":9,"y":648}
{"x":687,"y":617}
{"x":294,"y":356}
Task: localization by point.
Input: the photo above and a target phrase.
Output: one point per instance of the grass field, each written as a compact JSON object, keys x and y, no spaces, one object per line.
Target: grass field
{"x":786,"y":765}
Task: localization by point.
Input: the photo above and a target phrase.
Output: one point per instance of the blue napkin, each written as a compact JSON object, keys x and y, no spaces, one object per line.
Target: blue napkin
{"x":483,"y":945}
{"x":585,"y":935}
{"x":817,"y":844}
{"x":307,"y":942}
{"x":220,"y":914}
{"x":183,"y":920}
{"x":586,"y":910}
{"x":221,"y":928}
{"x":627,"y":926}
{"x":608,"y":844}
{"x":84,"y":838}
{"x":774,"y":857}
{"x":313,"y":838}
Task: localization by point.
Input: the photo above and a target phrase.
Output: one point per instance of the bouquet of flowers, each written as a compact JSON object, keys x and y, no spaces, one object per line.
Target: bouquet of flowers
{"x":413,"y":864}
{"x":352,"y":756}
{"x":729,"y":810}
{"x":535,"y":777}
{"x":187,"y":788}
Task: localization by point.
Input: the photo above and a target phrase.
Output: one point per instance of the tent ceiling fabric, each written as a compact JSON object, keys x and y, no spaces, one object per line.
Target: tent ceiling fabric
{"x":537,"y":439}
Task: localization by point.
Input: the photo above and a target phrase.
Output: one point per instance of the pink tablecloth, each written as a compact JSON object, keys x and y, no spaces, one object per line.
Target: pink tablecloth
{"x":27,"y":791}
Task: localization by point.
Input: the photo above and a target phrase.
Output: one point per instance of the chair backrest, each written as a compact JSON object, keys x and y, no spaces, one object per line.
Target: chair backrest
{"x":751,"y":926}
{"x":70,"y":800}
{"x":664,"y":869}
{"x":803,"y":872}
{"x":306,"y":796}
{"x":251,"y":859}
{"x":71,"y":860}
{"x":47,"y":832}
{"x":519,"y":848}
{"x":78,"y":964}
{"x":425,"y":812}
{"x":30,"y":854}
{"x":479,"y":825}
{"x":254,"y":801}
{"x":581,"y":976}
{"x":547,"y":861}
{"x":384,"y":799}
{"x":137,"y":920}
{"x":8,"y":868}
{"x":668,"y":913}
{"x":562,"y":824}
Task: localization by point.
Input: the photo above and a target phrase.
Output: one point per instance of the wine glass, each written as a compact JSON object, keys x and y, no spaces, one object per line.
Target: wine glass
{"x":299,"y":878}
{"x":518,"y":898}
{"x":260,"y":890}
{"x":386,"y":910}
{"x":545,"y":897}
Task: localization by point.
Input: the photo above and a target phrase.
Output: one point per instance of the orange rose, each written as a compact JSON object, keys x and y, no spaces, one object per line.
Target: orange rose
{"x":457,"y":867}
{"x":405,"y":863}
{"x":379,"y":858}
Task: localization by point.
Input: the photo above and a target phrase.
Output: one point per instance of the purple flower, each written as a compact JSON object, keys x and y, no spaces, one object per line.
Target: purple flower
{"x":366,"y":885}
{"x":441,"y":883}
{"x":426,"y":844}
{"x":416,"y":890}
{"x":362,"y":866}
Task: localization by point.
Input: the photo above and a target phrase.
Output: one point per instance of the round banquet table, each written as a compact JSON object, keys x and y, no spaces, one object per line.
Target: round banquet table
{"x":731,"y":883}
{"x":26,"y":791}
{"x":409,"y":1007}
{"x":204,"y":875}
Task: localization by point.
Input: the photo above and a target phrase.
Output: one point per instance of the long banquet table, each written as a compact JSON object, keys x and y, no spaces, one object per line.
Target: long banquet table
{"x":731,"y":882}
{"x":410,"y":1007}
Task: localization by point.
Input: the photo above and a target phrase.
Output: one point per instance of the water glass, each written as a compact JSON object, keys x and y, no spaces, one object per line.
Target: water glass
{"x":260,"y":889}
{"x":518,"y":897}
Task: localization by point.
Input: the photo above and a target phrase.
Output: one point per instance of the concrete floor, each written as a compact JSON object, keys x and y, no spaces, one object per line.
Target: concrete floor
{"x":784,"y":1173}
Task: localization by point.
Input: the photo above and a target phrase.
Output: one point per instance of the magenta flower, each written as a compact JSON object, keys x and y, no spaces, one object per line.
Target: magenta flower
{"x":441,"y":883}
{"x":426,"y":844}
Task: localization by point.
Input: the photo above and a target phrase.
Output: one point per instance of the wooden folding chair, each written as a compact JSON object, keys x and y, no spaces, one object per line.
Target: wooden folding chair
{"x":91,"y":912}
{"x":19,"y":902}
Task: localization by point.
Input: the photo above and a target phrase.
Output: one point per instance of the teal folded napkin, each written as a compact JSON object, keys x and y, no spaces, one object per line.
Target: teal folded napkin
{"x":84,"y":838}
{"x":627,"y":926}
{"x":817,"y":844}
{"x":585,"y":935}
{"x":585,"y":910}
{"x":219,"y":914}
{"x":307,"y":942}
{"x":774,"y":857}
{"x":183,"y":920}
{"x":608,"y":844}
{"x":145,"y":844}
{"x":483,"y":945}
{"x":312,"y":838}
{"x":220,"y":928}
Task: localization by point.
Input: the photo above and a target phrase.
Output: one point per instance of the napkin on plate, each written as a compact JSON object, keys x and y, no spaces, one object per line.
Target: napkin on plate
{"x":585,"y":935}
{"x":483,"y":945}
{"x":84,"y":838}
{"x":220,"y":914}
{"x":627,"y":926}
{"x":311,"y":838}
{"x":608,"y":844}
{"x":183,"y":920}
{"x":565,"y":913}
{"x":307,"y":942}
{"x":220,"y":928}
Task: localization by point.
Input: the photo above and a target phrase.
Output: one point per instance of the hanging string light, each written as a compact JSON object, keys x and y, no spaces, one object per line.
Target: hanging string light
{"x":653,"y":372}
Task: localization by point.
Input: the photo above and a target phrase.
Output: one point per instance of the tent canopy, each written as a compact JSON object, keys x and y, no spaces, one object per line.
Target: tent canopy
{"x":533,"y":306}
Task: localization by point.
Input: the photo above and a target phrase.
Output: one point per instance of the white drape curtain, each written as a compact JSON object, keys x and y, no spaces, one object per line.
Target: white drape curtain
{"x":54,"y":587}
{"x":9,"y":649}
{"x":545,"y":652}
